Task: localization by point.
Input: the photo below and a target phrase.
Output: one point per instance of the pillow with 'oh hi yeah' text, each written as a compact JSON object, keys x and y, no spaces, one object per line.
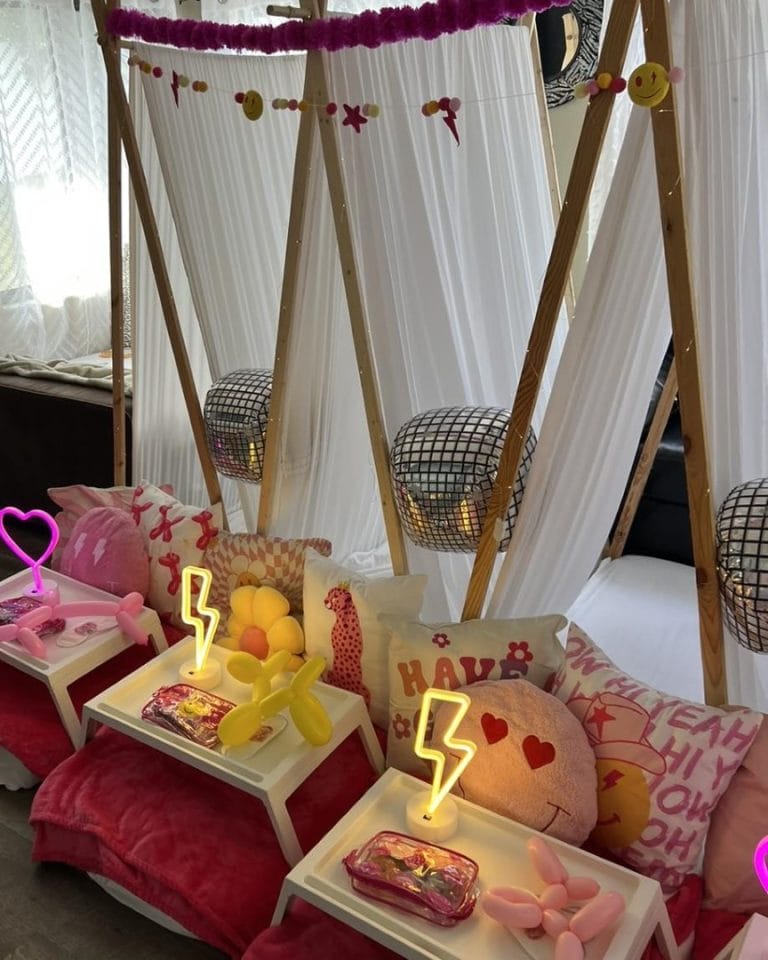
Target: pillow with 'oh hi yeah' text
{"x":341,"y":624}
{"x":662,"y":763}
{"x":451,"y":655}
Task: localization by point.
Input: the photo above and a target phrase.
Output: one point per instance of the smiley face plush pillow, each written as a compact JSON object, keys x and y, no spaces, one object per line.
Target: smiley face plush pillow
{"x":533,"y":763}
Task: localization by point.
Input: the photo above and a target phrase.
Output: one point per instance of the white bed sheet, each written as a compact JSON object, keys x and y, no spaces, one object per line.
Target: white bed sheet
{"x":133,"y":902}
{"x":13,"y":774}
{"x":643,"y":613}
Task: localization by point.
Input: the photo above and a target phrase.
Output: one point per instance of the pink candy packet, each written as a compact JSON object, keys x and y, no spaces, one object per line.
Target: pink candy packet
{"x":433,"y":882}
{"x":192,"y":713}
{"x":15,"y":607}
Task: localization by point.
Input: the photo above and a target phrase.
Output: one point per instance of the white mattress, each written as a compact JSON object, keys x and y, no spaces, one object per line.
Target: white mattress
{"x":643,"y":613}
{"x":140,"y":906}
{"x":13,"y":774}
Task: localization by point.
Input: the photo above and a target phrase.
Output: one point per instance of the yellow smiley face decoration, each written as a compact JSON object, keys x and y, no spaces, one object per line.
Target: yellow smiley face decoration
{"x":648,"y":84}
{"x":623,"y":804}
{"x":253,"y":104}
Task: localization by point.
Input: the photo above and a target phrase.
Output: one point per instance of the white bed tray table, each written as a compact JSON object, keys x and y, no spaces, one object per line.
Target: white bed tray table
{"x":273,"y":773}
{"x":497,"y":844}
{"x":67,"y":664}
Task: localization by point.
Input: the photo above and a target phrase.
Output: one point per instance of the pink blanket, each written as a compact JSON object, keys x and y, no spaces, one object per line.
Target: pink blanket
{"x":30,"y":727}
{"x":196,"y":848}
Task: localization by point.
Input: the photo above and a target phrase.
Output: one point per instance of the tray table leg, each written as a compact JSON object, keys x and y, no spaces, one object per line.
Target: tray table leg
{"x":662,"y":934}
{"x":283,"y":903}
{"x":66,"y":709}
{"x":370,"y":740}
{"x":284,"y":830}
{"x":88,"y":728}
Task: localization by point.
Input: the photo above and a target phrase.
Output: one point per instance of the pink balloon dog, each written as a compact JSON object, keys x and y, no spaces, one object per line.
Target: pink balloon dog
{"x":125,"y":611}
{"x":519,"y":909}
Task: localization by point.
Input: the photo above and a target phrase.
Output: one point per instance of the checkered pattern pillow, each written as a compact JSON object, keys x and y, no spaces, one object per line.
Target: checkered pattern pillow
{"x":238,"y":559}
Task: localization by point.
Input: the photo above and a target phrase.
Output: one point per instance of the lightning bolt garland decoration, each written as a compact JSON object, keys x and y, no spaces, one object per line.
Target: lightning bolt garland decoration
{"x":203,"y":634}
{"x":441,"y":786}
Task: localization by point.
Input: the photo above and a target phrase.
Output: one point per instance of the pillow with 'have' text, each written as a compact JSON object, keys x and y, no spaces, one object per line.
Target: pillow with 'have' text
{"x":662,"y":763}
{"x":341,"y":624}
{"x":451,"y":655}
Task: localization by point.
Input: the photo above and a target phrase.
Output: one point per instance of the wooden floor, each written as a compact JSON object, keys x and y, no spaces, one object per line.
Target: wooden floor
{"x":53,"y":912}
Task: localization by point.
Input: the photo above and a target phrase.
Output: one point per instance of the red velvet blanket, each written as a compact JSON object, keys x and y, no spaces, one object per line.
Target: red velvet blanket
{"x":205,"y":853}
{"x":306,"y":933}
{"x":196,"y":848}
{"x":30,"y":727}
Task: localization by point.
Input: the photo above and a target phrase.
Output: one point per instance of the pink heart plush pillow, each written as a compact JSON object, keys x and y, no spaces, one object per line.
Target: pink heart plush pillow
{"x":533,"y":763}
{"x":106,"y":550}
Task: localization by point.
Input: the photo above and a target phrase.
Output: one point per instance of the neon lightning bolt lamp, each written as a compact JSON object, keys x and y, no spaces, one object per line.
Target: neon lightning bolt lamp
{"x":433,"y":815}
{"x":202,"y":672}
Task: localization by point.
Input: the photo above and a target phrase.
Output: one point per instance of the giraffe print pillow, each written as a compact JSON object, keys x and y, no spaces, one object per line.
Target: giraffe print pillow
{"x":176,"y":535}
{"x":341,"y":624}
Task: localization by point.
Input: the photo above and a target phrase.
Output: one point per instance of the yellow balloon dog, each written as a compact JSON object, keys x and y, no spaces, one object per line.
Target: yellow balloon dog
{"x":309,"y":715}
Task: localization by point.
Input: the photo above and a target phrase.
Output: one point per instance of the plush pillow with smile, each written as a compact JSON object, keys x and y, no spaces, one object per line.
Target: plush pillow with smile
{"x":533,"y":763}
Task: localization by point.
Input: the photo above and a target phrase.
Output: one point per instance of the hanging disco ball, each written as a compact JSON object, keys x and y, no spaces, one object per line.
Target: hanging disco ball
{"x":741,"y":531}
{"x":236,"y":413}
{"x":444,"y":465}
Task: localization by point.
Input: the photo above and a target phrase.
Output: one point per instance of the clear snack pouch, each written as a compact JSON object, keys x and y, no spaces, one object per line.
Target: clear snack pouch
{"x":433,"y":882}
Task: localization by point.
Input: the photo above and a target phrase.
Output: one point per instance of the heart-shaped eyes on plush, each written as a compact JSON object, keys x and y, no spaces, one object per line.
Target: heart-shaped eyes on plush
{"x":537,"y":752}
{"x":494,"y":728}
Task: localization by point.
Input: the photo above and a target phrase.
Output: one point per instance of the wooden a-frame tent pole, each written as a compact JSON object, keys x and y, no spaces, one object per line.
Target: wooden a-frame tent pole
{"x":119,"y":103}
{"x":316,"y":92}
{"x":114,"y":180}
{"x":555,"y":196}
{"x":671,"y":200}
{"x":669,"y":177}
{"x":569,"y":225}
{"x":644,"y":463}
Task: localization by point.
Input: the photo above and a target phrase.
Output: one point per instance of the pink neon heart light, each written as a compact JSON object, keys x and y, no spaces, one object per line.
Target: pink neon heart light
{"x":33,"y":563}
{"x":761,"y":852}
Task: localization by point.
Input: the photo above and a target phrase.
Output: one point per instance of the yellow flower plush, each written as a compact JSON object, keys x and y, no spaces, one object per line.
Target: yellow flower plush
{"x":260,"y":624}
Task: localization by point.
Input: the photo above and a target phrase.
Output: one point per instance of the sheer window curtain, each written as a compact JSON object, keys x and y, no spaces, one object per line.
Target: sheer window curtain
{"x":54,"y":249}
{"x":449,"y":272}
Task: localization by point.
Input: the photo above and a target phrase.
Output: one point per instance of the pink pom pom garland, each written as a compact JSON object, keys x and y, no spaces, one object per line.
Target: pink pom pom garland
{"x":369,"y":29}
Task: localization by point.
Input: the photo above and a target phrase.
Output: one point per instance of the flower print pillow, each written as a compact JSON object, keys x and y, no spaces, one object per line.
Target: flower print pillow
{"x":451,"y":655}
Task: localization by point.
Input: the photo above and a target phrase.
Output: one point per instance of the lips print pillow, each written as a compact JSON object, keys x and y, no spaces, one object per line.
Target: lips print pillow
{"x":533,"y":763}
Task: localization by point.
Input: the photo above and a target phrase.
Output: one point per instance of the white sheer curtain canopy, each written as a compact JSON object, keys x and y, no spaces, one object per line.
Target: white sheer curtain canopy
{"x":450,"y":241}
{"x":621,"y":326}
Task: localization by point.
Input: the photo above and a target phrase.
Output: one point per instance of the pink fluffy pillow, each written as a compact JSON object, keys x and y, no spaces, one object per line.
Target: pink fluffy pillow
{"x":739,"y":822}
{"x":106,"y":550}
{"x":533,"y":763}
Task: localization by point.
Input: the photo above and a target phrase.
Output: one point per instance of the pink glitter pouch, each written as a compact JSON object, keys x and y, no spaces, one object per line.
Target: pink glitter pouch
{"x":433,"y":882}
{"x":192,"y":713}
{"x":15,"y":607}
